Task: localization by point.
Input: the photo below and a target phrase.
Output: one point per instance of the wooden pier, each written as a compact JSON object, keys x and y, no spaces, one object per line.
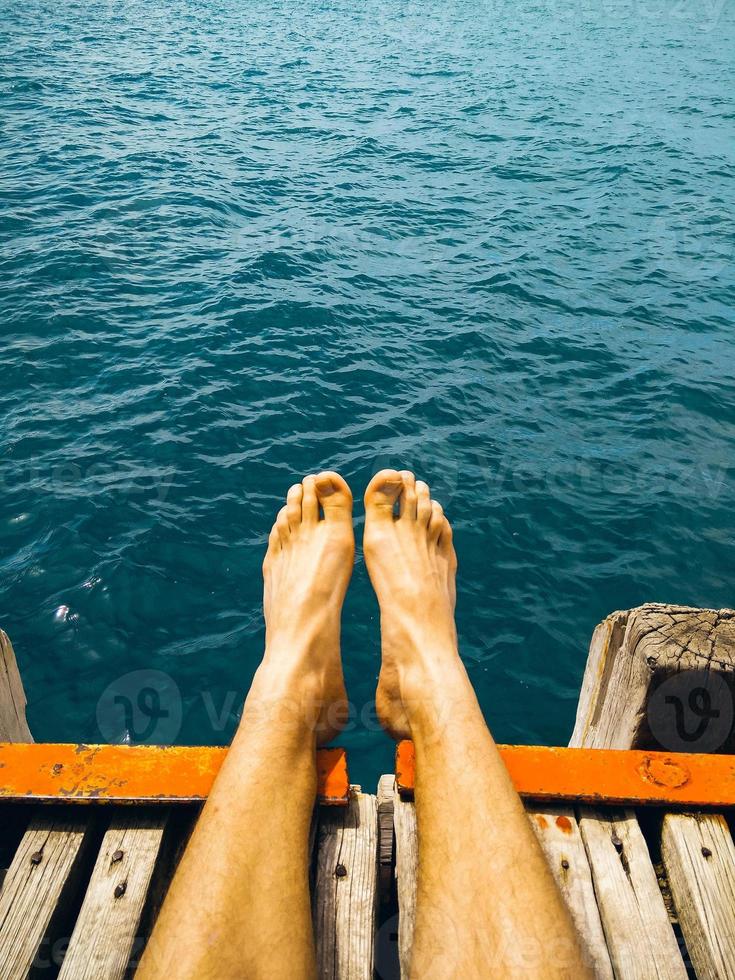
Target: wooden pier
{"x":634,"y":820}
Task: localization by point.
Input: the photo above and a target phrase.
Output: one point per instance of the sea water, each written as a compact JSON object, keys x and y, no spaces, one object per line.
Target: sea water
{"x":241,"y":242}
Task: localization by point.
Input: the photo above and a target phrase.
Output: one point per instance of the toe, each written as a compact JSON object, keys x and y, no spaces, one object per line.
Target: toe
{"x":334,"y":496}
{"x":436,"y":521}
{"x":274,"y":547}
{"x":381,"y":494}
{"x":284,"y":532}
{"x":309,"y":502}
{"x":408,"y":498}
{"x":293,"y":505}
{"x":423,"y":503}
{"x":446,"y":548}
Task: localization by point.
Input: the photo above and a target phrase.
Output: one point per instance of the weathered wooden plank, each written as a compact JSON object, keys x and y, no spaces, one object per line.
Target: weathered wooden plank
{"x":14,"y":822}
{"x":656,"y":676}
{"x":107,"y":929}
{"x":641,"y":663}
{"x":699,"y":857}
{"x":407,"y":866}
{"x":386,"y":788}
{"x":345,"y":890}
{"x":40,"y":883}
{"x":559,"y":835}
{"x":13,"y":724}
{"x":640,"y":940}
{"x":179,"y":828}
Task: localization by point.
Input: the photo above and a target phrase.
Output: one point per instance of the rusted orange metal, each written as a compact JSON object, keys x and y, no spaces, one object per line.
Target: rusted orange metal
{"x":405,"y":767}
{"x":156,"y":774}
{"x":140,"y":773}
{"x":604,"y":775}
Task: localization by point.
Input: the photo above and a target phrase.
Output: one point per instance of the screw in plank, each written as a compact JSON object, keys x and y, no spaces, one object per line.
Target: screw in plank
{"x":120,"y":889}
{"x":117,"y":856}
{"x":37,"y":857}
{"x":565,"y":864}
{"x":340,"y":871}
{"x":706,"y":852}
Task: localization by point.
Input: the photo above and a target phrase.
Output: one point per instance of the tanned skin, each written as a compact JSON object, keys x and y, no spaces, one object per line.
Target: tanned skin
{"x":238,"y":906}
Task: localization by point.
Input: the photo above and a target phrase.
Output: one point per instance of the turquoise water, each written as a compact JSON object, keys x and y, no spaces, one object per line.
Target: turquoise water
{"x":241,"y":242}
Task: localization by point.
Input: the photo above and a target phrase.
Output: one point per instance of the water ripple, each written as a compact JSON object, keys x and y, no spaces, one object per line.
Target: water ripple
{"x":243,"y":242}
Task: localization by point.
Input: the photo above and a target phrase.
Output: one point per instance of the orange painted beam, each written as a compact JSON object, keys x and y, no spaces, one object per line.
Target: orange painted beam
{"x":54,"y":773}
{"x":607,"y":776}
{"x":155,"y":774}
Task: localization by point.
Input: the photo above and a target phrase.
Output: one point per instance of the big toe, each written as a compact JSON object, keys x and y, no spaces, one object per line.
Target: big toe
{"x":334,"y":496}
{"x":382,"y":492}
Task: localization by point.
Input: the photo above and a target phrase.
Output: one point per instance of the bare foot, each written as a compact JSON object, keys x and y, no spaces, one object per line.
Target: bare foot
{"x":412,"y":565}
{"x":306,"y":571}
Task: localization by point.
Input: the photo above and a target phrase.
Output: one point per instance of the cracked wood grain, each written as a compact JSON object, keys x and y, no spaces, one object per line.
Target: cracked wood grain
{"x":13,"y":724}
{"x":699,"y":857}
{"x":630,"y":652}
{"x":344,"y":903}
{"x":640,"y":939}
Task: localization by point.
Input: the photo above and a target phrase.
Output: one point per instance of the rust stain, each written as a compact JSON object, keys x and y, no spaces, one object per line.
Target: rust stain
{"x":664,"y":772}
{"x":123,"y":773}
{"x":542,"y":821}
{"x":120,"y":773}
{"x":564,"y":824}
{"x":606,"y":776}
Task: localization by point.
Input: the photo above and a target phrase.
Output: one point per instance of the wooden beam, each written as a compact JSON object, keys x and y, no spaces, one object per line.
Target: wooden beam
{"x":640,"y":940}
{"x":646,"y":668}
{"x":699,"y":857}
{"x":624,"y":701}
{"x":559,"y":835}
{"x":39,"y":886}
{"x":13,"y":724}
{"x":344,"y":904}
{"x":107,"y":930}
{"x":135,"y":773}
{"x":386,"y":790}
{"x":407,"y":866}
